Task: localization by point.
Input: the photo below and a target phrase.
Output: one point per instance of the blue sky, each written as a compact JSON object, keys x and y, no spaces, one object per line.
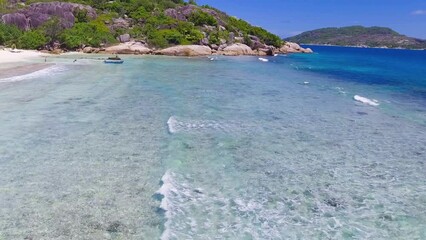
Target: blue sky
{"x":290,"y":17}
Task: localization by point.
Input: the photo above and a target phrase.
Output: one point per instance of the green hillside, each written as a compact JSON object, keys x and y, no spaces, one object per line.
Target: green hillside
{"x":150,"y":21}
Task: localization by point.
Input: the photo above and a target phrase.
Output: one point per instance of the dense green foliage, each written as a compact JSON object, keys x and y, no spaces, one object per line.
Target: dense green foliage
{"x":148,"y":22}
{"x":200,"y":18}
{"x":359,"y":36}
{"x":92,"y":34}
{"x":34,"y":39}
{"x":243,"y":26}
{"x":9,"y":34}
{"x":12,"y":36}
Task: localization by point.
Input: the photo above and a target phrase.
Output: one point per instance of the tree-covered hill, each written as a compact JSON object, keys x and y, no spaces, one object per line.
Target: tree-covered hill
{"x":159,"y":23}
{"x":359,"y":36}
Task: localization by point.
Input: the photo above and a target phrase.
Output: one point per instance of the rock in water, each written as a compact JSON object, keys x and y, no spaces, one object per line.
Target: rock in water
{"x":290,"y":47}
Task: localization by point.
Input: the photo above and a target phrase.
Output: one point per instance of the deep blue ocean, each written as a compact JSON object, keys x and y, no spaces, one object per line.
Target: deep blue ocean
{"x":330,"y":145}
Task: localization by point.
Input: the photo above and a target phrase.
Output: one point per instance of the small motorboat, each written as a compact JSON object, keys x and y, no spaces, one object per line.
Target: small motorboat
{"x":115,"y":60}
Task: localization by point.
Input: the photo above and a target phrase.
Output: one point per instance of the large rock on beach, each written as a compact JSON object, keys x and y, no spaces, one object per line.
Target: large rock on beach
{"x":129,"y":48}
{"x":38,"y":13}
{"x":91,"y":50}
{"x":290,"y":47}
{"x":186,"y":50}
{"x":237,"y":49}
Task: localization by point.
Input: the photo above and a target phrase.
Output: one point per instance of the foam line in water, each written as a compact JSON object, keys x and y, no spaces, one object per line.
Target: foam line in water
{"x":37,"y":74}
{"x":176,"y":125}
{"x":174,"y":196}
{"x":371,"y":102}
{"x":167,"y":188}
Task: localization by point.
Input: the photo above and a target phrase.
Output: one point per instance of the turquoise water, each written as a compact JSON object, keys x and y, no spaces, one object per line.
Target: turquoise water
{"x":236,"y":148}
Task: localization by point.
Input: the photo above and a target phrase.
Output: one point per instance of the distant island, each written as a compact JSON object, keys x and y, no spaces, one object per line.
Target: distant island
{"x":133,"y":27}
{"x":359,"y":36}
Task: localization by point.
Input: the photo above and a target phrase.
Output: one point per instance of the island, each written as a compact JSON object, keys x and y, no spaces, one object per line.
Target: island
{"x":167,"y":27}
{"x":359,"y":36}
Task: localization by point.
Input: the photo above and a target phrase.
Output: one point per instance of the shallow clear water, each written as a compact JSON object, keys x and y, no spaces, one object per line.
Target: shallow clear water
{"x":236,"y":148}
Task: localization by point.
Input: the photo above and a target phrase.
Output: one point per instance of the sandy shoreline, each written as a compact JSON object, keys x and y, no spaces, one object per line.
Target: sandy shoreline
{"x":24,"y":55}
{"x":23,"y":70}
{"x":21,"y":63}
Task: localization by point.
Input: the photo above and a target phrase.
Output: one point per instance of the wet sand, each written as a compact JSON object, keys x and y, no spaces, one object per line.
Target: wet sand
{"x":23,"y":70}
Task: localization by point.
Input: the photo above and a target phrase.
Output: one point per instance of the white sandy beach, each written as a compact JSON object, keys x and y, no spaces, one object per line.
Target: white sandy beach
{"x":21,"y":63}
{"x":25,"y":55}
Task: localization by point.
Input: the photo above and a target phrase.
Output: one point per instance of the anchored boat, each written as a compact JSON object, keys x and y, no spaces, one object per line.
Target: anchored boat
{"x":115,"y":60}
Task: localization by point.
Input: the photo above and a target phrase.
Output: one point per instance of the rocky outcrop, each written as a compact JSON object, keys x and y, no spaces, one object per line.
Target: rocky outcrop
{"x":269,"y":51}
{"x":124,"y":38}
{"x":182,"y":13}
{"x":290,"y":47}
{"x":236,"y":49}
{"x":129,"y":48}
{"x":38,"y":13}
{"x":119,"y":23}
{"x":91,"y":50}
{"x":186,"y":50}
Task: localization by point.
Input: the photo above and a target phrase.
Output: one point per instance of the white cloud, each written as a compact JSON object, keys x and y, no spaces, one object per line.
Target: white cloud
{"x":419,"y":12}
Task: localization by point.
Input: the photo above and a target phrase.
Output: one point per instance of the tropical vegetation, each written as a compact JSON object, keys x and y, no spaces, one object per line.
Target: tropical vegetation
{"x":149,"y":23}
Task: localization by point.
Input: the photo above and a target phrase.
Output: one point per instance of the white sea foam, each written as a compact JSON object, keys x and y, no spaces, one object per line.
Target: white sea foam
{"x":166,"y":190}
{"x":172,"y":124}
{"x":340,"y":90}
{"x":371,"y":102}
{"x":263,"y":60}
{"x":176,"y":125}
{"x":53,"y":70}
{"x":186,"y":206}
{"x":175,"y":195}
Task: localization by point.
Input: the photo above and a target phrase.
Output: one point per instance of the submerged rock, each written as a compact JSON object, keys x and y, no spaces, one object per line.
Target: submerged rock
{"x":115,"y":226}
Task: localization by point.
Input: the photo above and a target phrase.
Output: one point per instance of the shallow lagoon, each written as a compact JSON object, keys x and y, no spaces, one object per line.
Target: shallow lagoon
{"x":236,"y":148}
